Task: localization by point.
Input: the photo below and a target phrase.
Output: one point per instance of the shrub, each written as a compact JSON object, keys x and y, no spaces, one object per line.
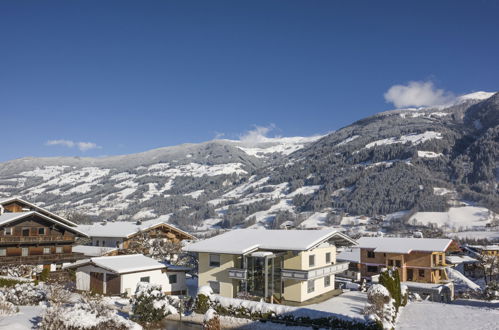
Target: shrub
{"x":381,"y":307}
{"x":85,"y":315}
{"x":7,"y":308}
{"x":57,"y":294}
{"x":211,"y":320}
{"x":7,"y":282}
{"x":150,"y":304}
{"x":44,"y":275}
{"x":24,"y":294}
{"x":390,"y":279}
{"x":203,"y":299}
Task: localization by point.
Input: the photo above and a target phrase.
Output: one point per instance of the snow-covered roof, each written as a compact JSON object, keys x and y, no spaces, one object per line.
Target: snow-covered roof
{"x":7,"y":218}
{"x":93,"y":251}
{"x":349,"y":254}
{"x":494,"y":247}
{"x":404,"y":244}
{"x":37,"y":208}
{"x":455,"y":260}
{"x":242,"y":241}
{"x":125,"y":229}
{"x":121,"y":264}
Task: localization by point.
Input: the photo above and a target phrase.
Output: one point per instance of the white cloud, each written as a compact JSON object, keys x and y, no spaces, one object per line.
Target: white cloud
{"x":256,"y":135}
{"x":83,"y":146}
{"x":417,"y":94}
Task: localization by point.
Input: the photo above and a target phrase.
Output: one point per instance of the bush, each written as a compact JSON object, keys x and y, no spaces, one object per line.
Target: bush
{"x":7,"y":308}
{"x":150,"y":304}
{"x":24,"y":294}
{"x":202,"y":303}
{"x":390,"y":279}
{"x":57,"y":294}
{"x":85,"y":315}
{"x":7,"y":282}
{"x":381,"y":308}
{"x":211,"y":320}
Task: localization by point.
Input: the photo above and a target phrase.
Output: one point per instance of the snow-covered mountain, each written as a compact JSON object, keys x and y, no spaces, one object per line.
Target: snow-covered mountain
{"x":427,"y":165}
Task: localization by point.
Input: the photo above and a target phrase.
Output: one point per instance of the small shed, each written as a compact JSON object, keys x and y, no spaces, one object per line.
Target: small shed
{"x":117,"y":275}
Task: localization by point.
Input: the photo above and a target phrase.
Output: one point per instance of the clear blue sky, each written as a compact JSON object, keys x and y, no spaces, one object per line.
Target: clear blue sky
{"x":134,"y":75}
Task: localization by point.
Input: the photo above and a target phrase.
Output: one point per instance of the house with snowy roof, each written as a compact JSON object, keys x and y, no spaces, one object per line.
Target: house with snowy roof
{"x":119,"y":234}
{"x":118,"y":275}
{"x":416,"y":259}
{"x":277,"y":265}
{"x":30,"y":234}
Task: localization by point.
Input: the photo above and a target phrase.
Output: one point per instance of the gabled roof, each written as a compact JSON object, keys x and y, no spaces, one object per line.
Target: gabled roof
{"x":350,"y":254}
{"x":7,"y":218}
{"x":126,"y":229}
{"x":404,"y":245}
{"x":37,"y":208}
{"x":129,"y":263}
{"x":242,"y":241}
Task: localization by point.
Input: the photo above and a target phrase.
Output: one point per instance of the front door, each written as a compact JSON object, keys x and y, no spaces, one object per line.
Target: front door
{"x":97,"y":282}
{"x":409,"y":274}
{"x":112,"y":284}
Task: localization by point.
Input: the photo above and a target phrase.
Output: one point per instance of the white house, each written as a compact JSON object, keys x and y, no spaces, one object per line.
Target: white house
{"x":116,"y":275}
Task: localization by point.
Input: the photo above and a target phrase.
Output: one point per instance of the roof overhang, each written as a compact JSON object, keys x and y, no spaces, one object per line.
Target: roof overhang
{"x":27,"y":214}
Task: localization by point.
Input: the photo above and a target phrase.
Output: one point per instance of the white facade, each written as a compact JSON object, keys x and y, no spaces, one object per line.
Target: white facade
{"x":129,"y":281}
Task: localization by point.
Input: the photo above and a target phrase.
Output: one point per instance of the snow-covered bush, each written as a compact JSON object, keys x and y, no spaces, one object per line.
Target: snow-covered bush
{"x":85,"y":315}
{"x":381,"y":307}
{"x":491,"y":291}
{"x":390,"y":279}
{"x":57,"y":294}
{"x":7,"y":308}
{"x":211,"y":320}
{"x":203,"y":299}
{"x":24,"y":294}
{"x":150,"y":304}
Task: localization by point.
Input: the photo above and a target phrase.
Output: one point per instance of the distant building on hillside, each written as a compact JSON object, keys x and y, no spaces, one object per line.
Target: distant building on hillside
{"x":277,"y":265}
{"x":489,"y":250}
{"x":32,"y":235}
{"x":119,"y":234}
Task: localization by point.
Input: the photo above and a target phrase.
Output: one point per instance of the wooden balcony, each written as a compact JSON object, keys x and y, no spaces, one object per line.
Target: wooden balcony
{"x":9,"y":240}
{"x":42,"y":259}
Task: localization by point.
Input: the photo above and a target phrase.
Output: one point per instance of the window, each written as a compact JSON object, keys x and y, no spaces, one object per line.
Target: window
{"x":25,"y":231}
{"x":328,"y":258}
{"x":172,"y":279}
{"x":3,"y":252}
{"x":215,"y":286}
{"x":311,"y":260}
{"x":41,"y":231}
{"x":8,"y":231}
{"x":372,"y":269}
{"x":58,"y":249}
{"x":390,"y":262}
{"x":310,"y":286}
{"x":145,"y":279}
{"x":97,"y":243}
{"x":370,"y":254}
{"x":398,"y":263}
{"x":103,"y":243}
{"x":327,"y":281}
{"x":421,"y":273}
{"x":214,"y":260}
{"x":46,"y":250}
{"x":24,"y":252}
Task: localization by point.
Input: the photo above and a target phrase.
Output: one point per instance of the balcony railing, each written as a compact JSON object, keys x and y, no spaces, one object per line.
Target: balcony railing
{"x":42,"y":259}
{"x":302,"y":275}
{"x":237,"y":273}
{"x":34,"y":239}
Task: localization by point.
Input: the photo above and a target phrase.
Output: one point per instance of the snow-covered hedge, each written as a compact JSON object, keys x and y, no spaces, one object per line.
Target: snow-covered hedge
{"x":85,"y":315}
{"x":275,"y":313}
{"x":24,"y":294}
{"x":150,"y":304}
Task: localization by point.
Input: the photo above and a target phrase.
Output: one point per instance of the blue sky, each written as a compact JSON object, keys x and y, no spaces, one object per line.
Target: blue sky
{"x":128,"y":76}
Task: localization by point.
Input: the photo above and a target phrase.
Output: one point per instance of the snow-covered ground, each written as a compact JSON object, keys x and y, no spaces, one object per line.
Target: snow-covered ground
{"x":350,"y":304}
{"x":462,"y":314}
{"x":456,"y":217}
{"x":27,"y":318}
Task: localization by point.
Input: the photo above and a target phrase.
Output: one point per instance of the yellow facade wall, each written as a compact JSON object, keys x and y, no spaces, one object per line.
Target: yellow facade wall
{"x":218,"y":274}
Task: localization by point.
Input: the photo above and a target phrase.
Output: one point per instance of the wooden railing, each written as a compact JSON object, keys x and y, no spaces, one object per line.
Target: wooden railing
{"x":42,"y":259}
{"x":34,"y":239}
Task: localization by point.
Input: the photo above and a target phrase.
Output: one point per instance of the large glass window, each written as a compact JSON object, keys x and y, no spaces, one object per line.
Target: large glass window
{"x":214,"y":260}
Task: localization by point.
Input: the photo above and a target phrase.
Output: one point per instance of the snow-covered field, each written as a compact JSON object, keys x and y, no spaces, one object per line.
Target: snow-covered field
{"x":27,"y":318}
{"x":462,"y":314}
{"x":456,"y":217}
{"x":350,"y":304}
{"x":490,"y":235}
